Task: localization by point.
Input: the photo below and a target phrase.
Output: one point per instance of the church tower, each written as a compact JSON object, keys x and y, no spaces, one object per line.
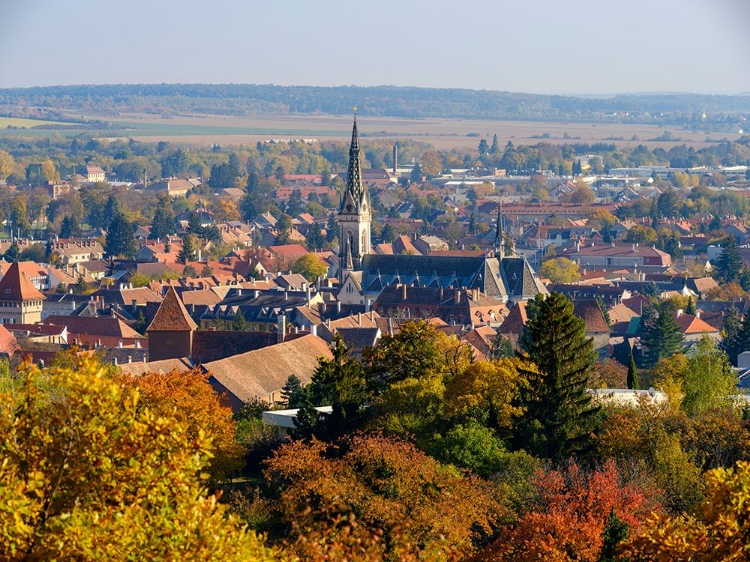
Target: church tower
{"x":499,"y":242}
{"x":355,"y":214}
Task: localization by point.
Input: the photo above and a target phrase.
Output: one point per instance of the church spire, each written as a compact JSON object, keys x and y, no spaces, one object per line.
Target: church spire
{"x":499,"y":242}
{"x":355,"y":194}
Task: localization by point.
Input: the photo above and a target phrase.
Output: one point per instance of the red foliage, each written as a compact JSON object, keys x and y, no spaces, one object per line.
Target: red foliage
{"x":569,"y":518}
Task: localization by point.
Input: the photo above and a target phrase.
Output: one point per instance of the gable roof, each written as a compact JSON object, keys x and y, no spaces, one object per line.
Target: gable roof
{"x":172,"y":316}
{"x":591,"y":313}
{"x":260,"y":373}
{"x":516,"y":320}
{"x":16,"y":284}
{"x":690,"y":324}
{"x":106,"y":326}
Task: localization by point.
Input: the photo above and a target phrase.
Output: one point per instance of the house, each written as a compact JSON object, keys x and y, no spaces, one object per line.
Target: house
{"x":170,"y":334}
{"x":172,"y":187}
{"x":262,"y":373}
{"x":20,"y":301}
{"x":94,"y":174}
{"x":693,"y":328}
{"x":619,"y":254}
{"x":77,"y":250}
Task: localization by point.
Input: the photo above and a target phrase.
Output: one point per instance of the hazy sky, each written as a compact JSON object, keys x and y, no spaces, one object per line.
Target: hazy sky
{"x":545,"y":46}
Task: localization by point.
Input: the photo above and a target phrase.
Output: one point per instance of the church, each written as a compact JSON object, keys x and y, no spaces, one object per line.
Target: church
{"x":363,"y":275}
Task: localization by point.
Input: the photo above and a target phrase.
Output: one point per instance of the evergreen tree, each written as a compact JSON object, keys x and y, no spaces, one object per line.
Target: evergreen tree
{"x":632,"y":373}
{"x":501,"y":348}
{"x":558,"y":417}
{"x":69,"y":227}
{"x":189,"y":272}
{"x":164,"y":222}
{"x":662,"y":336}
{"x":293,"y":394}
{"x":140,"y":323}
{"x":207,"y":271}
{"x":189,"y":249}
{"x":315,"y":238}
{"x":741,"y":341}
{"x":120,"y":239}
{"x":111,"y":209}
{"x":729,"y":263}
{"x":730,"y":341}
{"x":12,"y":253}
{"x":308,"y":421}
{"x":652,"y":290}
{"x":604,"y":310}
{"x":495,"y":148}
{"x":388,"y":234}
{"x":239,"y":324}
{"x":690,"y":308}
{"x":332,"y":230}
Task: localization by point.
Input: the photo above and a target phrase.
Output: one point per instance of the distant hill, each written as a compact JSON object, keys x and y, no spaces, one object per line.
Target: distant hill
{"x":389,"y":101}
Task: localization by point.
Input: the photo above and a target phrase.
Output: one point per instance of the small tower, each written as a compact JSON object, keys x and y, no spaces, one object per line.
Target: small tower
{"x":170,"y":334}
{"x":355,"y":215}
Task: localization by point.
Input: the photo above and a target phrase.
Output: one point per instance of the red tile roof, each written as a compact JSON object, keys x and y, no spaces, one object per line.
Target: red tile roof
{"x":16,"y":284}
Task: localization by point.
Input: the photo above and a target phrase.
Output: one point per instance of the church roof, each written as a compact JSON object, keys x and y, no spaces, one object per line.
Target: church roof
{"x":16,"y":284}
{"x":355,"y":191}
{"x":172,"y":316}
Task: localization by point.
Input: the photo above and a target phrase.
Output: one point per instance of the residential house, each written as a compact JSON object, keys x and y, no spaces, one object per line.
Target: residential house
{"x":20,"y":301}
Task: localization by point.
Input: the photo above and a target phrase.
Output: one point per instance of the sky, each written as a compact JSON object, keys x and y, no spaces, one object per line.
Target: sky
{"x":535,"y":46}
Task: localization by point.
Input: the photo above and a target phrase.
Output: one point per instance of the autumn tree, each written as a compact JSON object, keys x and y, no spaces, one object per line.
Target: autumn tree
{"x":189,"y":397}
{"x":90,"y":474}
{"x":570,"y":519}
{"x":388,"y":485}
{"x":719,"y":531}
{"x":560,"y":270}
{"x":310,"y":267}
{"x":558,"y":417}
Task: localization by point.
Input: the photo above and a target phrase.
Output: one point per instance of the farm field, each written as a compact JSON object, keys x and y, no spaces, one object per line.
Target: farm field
{"x":19,"y":122}
{"x":441,"y":133}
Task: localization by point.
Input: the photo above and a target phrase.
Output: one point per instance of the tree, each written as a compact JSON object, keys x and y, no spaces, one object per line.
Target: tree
{"x":582,"y":194}
{"x":189,"y":272}
{"x":732,"y":342}
{"x":572,"y":516}
{"x":718,"y":532}
{"x":239,"y":324}
{"x":120,"y":241}
{"x":690,"y":308}
{"x":315,"y":238}
{"x":431,"y":163}
{"x":639,"y":234}
{"x":389,"y":486}
{"x":662,"y":336}
{"x":729,"y":263}
{"x":558,"y":417}
{"x":632,"y":373}
{"x":502,"y":348}
{"x":310,"y":266}
{"x":13,"y":253}
{"x":560,"y":270}
{"x":284,"y":229}
{"x":709,"y":378}
{"x":293,"y":393}
{"x":189,"y":250}
{"x":164,"y":222}
{"x":207,"y":271}
{"x":190,"y":398}
{"x":19,"y":221}
{"x":69,"y":227}
{"x":89,"y":474}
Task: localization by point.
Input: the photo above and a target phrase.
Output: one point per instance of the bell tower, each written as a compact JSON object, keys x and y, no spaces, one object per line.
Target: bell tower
{"x":355,"y":214}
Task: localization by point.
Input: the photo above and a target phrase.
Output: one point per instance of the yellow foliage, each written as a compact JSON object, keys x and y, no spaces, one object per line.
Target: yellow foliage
{"x":88,"y":475}
{"x":721,"y":530}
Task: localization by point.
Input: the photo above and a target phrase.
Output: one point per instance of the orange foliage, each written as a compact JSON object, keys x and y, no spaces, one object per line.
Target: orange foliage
{"x":570,"y":517}
{"x":390,"y":487}
{"x":188,"y":397}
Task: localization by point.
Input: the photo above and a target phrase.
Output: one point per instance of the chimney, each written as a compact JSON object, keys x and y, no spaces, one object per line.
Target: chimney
{"x":281,"y":336}
{"x":119,"y":344}
{"x":338,"y":307}
{"x":286,"y":296}
{"x":130,"y":358}
{"x":403,"y":292}
{"x":679,"y":312}
{"x":359,"y":319}
{"x":133,"y":304}
{"x":368,"y":305}
{"x":457,"y":296}
{"x":314,"y":330}
{"x":115,"y":360}
{"x":137,"y":344}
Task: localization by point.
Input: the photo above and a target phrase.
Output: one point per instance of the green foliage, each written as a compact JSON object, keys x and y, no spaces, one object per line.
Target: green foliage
{"x":729,"y":263}
{"x":708,"y":380}
{"x":662,"y":336}
{"x":633,"y":373}
{"x":239,"y":324}
{"x":120,"y":241}
{"x":558,"y":417}
{"x":293,"y":394}
{"x":310,"y":266}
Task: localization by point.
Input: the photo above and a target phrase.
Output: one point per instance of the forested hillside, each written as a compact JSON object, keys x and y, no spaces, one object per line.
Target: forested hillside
{"x":253,"y":99}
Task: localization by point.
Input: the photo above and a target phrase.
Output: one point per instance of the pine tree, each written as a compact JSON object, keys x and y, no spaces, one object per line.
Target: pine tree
{"x":604,"y":310}
{"x":690,"y":308}
{"x":69,"y":227}
{"x":632,"y":373}
{"x":730,"y":341}
{"x":501,"y":348}
{"x":189,"y":249}
{"x":729,"y":263}
{"x":558,"y":417}
{"x":315,"y":238}
{"x":120,"y":238}
{"x":293,"y":394}
{"x":662,"y":337}
{"x":308,"y":421}
{"x":741,"y":341}
{"x":12,"y":253}
{"x":164,"y":223}
{"x":239,"y":324}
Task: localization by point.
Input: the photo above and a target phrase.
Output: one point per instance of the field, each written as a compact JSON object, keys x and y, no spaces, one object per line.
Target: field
{"x":6,"y":122}
{"x":441,"y":133}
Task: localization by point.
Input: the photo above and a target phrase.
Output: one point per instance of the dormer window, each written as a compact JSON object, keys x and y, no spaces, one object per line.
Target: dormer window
{"x":7,"y":291}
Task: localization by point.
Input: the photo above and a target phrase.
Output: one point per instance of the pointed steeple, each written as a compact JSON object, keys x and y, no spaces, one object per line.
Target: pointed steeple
{"x":499,"y":245}
{"x":355,"y":193}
